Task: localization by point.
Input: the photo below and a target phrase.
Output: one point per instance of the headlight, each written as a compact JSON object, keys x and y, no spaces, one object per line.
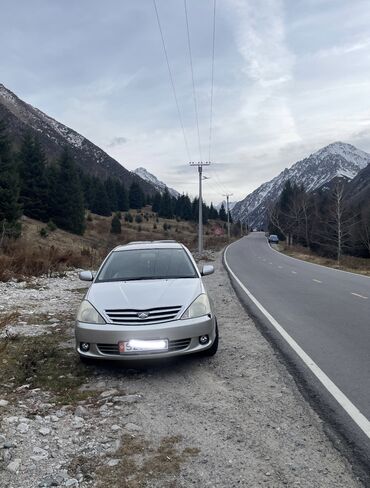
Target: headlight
{"x":198,"y":308}
{"x":87,"y":313}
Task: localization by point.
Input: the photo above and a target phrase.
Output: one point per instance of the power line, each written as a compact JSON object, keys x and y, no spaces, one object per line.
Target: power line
{"x":212,"y":78}
{"x":192,"y":78}
{"x":171,"y":80}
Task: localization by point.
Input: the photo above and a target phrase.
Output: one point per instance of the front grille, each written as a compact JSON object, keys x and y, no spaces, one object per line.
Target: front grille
{"x":178,"y":345}
{"x":112,"y":349}
{"x":154,"y":315}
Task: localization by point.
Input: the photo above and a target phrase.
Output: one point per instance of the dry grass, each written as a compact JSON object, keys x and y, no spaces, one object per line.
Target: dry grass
{"x":21,"y":259}
{"x":348,"y":263}
{"x":8,"y":319}
{"x":34,"y":255}
{"x":42,"y":362}
{"x":140,"y":464}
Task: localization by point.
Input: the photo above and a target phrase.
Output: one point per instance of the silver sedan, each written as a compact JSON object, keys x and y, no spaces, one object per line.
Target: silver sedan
{"x":146,"y":301}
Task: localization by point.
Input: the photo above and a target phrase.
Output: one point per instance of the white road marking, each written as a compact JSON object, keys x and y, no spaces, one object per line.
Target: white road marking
{"x":355,"y":414}
{"x":270,"y":263}
{"x":280,"y":267}
{"x":316,"y":281}
{"x":360,"y":296}
{"x":294,"y":272}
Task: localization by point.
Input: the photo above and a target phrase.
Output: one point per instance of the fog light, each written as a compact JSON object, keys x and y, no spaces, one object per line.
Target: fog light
{"x":203,"y":339}
{"x":84,"y":346}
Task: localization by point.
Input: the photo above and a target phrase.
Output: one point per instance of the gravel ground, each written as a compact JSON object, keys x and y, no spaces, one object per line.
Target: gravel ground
{"x":237,"y":419}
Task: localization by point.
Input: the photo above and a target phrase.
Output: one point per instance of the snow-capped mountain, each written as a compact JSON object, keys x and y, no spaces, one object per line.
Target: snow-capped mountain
{"x":20,"y":117}
{"x":153,"y":180}
{"x":335,"y":160}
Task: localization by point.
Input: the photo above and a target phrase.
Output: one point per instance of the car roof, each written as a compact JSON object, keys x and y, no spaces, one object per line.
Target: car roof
{"x":164,"y":244}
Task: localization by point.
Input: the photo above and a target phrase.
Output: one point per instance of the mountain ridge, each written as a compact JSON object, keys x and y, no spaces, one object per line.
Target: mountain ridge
{"x":21,"y":117}
{"x":337,"y":159}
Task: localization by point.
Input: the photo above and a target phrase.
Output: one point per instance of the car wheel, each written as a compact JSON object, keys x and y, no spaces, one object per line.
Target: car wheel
{"x":211,"y":351}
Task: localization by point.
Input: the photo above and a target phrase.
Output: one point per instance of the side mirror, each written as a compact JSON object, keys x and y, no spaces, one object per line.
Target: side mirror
{"x":86,"y":276}
{"x":207,"y":270}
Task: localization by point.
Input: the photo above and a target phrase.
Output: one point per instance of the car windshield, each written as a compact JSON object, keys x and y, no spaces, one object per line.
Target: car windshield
{"x":147,"y":264}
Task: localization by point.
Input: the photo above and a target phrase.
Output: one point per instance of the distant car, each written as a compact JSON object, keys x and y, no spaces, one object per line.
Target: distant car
{"x":254,"y":229}
{"x":273,"y":239}
{"x":147,"y":300}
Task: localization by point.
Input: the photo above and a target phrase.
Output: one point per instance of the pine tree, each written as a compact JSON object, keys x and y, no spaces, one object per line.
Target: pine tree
{"x":122,"y":197}
{"x":136,"y":196}
{"x":101,"y":204}
{"x":213,"y":214}
{"x":69,"y":211}
{"x":10,"y":208}
{"x":166,"y":210}
{"x":111,"y":191}
{"x":33,"y":188}
{"x":186,"y":207}
{"x":116,"y":224}
{"x":222,"y":213}
{"x":156,"y":202}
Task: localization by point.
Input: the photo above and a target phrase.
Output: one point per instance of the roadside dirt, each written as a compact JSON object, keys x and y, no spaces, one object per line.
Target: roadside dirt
{"x":235,"y":420}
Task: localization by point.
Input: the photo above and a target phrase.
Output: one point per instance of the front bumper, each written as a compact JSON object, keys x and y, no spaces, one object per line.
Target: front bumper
{"x":182,"y":335}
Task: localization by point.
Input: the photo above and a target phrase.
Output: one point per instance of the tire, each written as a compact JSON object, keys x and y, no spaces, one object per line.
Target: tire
{"x":211,"y":351}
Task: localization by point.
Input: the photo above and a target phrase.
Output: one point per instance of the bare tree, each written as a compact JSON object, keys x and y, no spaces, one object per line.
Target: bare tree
{"x":340,"y":221}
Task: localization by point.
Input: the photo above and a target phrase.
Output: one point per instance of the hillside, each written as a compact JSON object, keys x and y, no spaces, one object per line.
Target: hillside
{"x":335,"y":160}
{"x":20,"y":118}
{"x":358,"y":189}
{"x":45,"y":250}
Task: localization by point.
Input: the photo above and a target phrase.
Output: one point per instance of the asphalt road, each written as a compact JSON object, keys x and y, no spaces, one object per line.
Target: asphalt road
{"x":325,"y":311}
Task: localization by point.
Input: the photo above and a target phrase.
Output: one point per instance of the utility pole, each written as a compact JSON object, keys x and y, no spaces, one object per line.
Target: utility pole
{"x":200,"y":165}
{"x":228,"y":195}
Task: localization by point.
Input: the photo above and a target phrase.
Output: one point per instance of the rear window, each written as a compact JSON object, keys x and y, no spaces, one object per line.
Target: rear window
{"x":147,"y":264}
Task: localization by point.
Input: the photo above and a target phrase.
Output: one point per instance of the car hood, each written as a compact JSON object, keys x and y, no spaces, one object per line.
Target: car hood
{"x":142,"y":295}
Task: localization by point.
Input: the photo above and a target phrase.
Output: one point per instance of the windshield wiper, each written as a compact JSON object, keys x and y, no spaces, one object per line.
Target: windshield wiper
{"x":141,"y":278}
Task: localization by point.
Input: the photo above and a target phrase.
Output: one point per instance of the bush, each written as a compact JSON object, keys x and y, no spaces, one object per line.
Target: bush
{"x":44,"y":232}
{"x":89,"y":217}
{"x":154,"y":226}
{"x":115,"y":227}
{"x":128,"y":217}
{"x":51,"y":226}
{"x":138,"y":219}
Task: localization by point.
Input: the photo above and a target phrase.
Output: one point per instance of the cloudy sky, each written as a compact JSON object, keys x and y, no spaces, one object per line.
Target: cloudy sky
{"x":290,"y":77}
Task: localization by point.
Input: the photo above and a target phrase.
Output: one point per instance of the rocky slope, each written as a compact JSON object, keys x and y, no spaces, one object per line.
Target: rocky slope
{"x":20,"y":117}
{"x":335,"y":160}
{"x":153,"y":180}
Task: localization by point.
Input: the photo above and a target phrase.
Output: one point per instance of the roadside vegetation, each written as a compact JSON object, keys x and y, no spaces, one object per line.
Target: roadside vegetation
{"x":326,"y":223}
{"x":347,"y":263}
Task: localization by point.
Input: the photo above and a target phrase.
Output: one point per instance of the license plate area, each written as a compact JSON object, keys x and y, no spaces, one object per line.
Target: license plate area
{"x":135,"y":346}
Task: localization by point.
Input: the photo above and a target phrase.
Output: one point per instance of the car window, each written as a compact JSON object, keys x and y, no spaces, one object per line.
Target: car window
{"x":141,"y":264}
